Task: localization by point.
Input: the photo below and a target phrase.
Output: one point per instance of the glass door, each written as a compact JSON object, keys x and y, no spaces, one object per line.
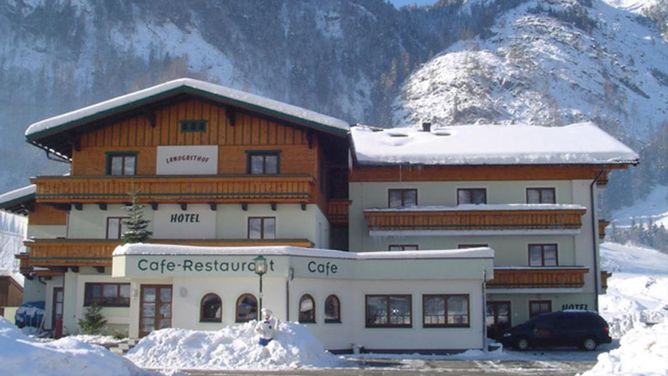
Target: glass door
{"x":57,"y":312}
{"x":155,"y":311}
{"x":498,"y":318}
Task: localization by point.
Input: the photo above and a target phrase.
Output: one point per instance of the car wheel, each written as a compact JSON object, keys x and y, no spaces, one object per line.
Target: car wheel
{"x":522,"y":344}
{"x":589,"y":344}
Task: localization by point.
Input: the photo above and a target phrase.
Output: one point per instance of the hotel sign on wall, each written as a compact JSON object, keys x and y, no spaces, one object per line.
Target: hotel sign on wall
{"x":187,"y":160}
{"x":198,"y":221}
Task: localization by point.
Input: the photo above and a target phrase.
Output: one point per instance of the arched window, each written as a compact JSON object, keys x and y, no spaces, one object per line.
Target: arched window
{"x":211,"y":308}
{"x":306,"y":309}
{"x":332,"y":309}
{"x":246,"y":308}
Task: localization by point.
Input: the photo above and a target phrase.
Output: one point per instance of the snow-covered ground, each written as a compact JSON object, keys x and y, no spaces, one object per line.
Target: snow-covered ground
{"x":654,"y":206}
{"x":233,"y":347}
{"x":22,"y":355}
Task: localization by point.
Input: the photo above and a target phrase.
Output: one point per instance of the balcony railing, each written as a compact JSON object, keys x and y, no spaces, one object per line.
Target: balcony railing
{"x":97,"y":252}
{"x":175,"y":189}
{"x":538,"y":277}
{"x":484,"y":218}
{"x":337,"y":211}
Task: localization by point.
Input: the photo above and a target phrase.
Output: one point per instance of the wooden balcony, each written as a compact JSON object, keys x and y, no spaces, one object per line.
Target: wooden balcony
{"x":176,"y":189}
{"x":602,"y":224}
{"x":604,"y":279}
{"x":97,"y":252}
{"x":536,"y":277}
{"x":337,"y":211}
{"x":470,"y":220}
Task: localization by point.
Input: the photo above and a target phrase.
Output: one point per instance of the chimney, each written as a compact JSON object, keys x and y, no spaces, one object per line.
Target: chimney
{"x":426,"y":126}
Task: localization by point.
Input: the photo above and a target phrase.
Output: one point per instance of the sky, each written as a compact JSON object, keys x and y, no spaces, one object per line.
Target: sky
{"x":400,"y":3}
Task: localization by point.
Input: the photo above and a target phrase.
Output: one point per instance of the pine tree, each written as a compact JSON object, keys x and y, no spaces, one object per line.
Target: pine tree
{"x":136,"y":224}
{"x":93,"y":320}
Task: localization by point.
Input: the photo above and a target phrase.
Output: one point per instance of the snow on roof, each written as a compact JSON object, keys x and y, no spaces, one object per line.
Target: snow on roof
{"x":481,"y":207}
{"x":580,"y":143}
{"x":167,"y":249}
{"x":17,"y":194}
{"x":233,"y":96}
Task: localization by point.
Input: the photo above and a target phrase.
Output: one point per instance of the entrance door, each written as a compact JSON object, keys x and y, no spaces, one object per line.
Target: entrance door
{"x":155,"y":311}
{"x":57,"y":312}
{"x":498,"y":318}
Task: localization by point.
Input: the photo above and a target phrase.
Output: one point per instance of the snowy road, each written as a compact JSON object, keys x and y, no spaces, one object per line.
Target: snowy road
{"x":453,"y":367}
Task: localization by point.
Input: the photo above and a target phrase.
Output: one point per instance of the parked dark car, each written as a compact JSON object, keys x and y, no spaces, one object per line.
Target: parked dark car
{"x":583,"y":329}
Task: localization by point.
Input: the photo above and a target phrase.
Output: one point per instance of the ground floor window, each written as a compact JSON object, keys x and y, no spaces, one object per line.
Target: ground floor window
{"x":107,"y":294}
{"x":332,"y":309}
{"x":306,"y":309}
{"x":384,"y":311}
{"x":445,"y":310}
{"x":261,"y":227}
{"x":211,"y":308}
{"x":246,"y":308}
{"x":402,"y":247}
{"x":536,"y":307}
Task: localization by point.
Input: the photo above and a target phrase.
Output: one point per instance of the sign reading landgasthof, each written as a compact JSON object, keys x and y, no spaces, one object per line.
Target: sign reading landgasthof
{"x":187,"y":160}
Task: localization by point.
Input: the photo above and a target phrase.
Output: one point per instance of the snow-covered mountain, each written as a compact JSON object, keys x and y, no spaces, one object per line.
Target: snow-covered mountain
{"x":12,"y":234}
{"x":549,"y":63}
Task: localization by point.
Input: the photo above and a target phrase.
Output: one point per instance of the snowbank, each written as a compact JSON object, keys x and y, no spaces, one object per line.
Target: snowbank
{"x":233,"y":347}
{"x":642,"y":351}
{"x":21,"y":355}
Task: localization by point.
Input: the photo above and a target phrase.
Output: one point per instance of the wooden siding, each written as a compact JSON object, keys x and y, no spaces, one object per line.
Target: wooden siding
{"x":538,"y":278}
{"x":47,"y":215}
{"x":337,"y":211}
{"x":11,"y":293}
{"x":97,"y":252}
{"x":474,"y":219}
{"x":298,"y":146}
{"x":471,"y":173}
{"x":175,"y":189}
{"x":602,"y":224}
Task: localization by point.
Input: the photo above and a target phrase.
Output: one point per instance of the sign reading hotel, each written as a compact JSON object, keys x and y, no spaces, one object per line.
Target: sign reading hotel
{"x":198,"y":221}
{"x":187,"y":160}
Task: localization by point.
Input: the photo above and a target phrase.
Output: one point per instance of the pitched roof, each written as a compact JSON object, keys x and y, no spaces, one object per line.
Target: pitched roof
{"x":15,"y":201}
{"x":40,"y":132}
{"x":580,"y":143}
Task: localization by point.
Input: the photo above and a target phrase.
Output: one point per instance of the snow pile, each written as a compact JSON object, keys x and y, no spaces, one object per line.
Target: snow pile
{"x":21,"y":355}
{"x":638,"y":289}
{"x":642,"y":351}
{"x":233,"y":347}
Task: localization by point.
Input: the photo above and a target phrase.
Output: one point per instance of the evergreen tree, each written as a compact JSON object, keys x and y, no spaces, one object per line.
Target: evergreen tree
{"x":93,"y":321}
{"x":136,"y":223}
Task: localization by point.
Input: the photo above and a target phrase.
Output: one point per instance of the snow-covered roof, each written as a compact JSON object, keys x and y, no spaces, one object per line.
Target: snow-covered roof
{"x":11,"y":199}
{"x":168,"y":249}
{"x":580,"y":143}
{"x":481,"y":207}
{"x":215,"y":92}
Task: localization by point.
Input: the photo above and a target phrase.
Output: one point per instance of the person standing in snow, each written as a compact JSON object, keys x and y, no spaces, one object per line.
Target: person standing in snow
{"x":266,"y":327}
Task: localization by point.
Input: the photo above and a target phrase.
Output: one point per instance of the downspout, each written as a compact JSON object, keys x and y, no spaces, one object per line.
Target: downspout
{"x":484,"y":310}
{"x":594,"y":238}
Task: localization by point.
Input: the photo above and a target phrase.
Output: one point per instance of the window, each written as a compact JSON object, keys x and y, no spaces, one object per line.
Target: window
{"x":536,"y":307}
{"x":262,"y":228}
{"x":116,"y":227}
{"x":120,"y":164}
{"x":384,"y":311}
{"x":401,"y":198}
{"x":306,"y":309}
{"x":541,"y":196}
{"x":402,"y":247}
{"x":246,"y":308}
{"x":332,"y":310}
{"x":107,"y":294}
{"x":543,"y":255}
{"x":263,"y":163}
{"x":193,"y":125}
{"x":464,"y":246}
{"x":445,"y":310}
{"x":211,"y":308}
{"x":471,"y":196}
